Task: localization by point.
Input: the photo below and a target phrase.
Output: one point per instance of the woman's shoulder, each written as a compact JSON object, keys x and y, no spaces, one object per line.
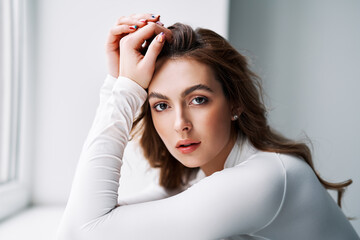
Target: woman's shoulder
{"x":270,"y":170}
{"x":260,"y":170}
{"x":273,"y":160}
{"x":267,"y":167}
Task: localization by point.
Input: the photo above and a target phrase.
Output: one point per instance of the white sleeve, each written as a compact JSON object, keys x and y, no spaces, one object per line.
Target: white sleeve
{"x":231,"y":202}
{"x":105,"y":93}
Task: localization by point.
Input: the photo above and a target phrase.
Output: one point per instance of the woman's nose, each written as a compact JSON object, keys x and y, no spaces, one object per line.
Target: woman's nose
{"x":182,"y":122}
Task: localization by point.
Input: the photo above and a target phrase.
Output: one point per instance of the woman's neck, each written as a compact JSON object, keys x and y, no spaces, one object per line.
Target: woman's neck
{"x":217,"y":164}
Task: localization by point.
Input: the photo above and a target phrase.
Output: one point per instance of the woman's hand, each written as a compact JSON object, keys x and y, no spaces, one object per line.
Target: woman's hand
{"x":123,"y":27}
{"x":135,"y":65}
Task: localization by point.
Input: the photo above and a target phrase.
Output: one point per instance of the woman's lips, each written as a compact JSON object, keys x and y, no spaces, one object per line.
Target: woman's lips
{"x":187,"y":146}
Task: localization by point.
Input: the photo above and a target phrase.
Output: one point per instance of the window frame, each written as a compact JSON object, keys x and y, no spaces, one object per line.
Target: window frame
{"x":15,"y":193}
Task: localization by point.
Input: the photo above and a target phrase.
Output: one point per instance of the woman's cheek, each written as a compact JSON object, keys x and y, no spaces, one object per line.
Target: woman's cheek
{"x":158,"y":123}
{"x":162,"y":124}
{"x":218,"y":121}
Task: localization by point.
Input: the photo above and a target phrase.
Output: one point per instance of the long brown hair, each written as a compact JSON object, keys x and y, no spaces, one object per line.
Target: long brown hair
{"x":243,"y":90}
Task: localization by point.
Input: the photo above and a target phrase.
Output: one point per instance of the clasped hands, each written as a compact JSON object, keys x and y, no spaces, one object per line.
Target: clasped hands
{"x":126,"y":43}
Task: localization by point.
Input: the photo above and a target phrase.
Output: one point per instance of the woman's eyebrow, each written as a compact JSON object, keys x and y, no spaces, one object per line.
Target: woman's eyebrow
{"x":184,"y":93}
{"x":196,"y":87}
{"x":157,"y":95}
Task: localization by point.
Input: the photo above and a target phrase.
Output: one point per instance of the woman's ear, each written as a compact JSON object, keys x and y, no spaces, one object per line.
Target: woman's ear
{"x":236,"y":112}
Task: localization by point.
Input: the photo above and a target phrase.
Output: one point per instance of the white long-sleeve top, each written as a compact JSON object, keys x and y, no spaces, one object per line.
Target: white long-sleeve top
{"x":258,"y":195}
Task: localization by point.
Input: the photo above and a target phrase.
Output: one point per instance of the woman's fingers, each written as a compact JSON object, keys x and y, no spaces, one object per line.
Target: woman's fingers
{"x":135,"y":65}
{"x":136,"y":39}
{"x":134,"y":34}
{"x":123,"y":27}
{"x":127,"y":25}
{"x":138,"y":18}
{"x":154,"y":50}
{"x":119,"y":31}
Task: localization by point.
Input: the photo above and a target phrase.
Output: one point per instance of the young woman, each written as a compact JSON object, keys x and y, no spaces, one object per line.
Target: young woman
{"x":201,"y":110}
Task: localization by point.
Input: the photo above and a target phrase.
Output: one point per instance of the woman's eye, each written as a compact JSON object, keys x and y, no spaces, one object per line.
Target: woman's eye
{"x":199,"y":100}
{"x":161,"y":107}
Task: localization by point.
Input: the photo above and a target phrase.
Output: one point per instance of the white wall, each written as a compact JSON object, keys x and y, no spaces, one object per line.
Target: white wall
{"x":69,"y":64}
{"x":308,"y":54}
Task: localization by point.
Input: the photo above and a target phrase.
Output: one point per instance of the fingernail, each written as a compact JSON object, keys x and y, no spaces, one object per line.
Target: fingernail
{"x":155,"y":16}
{"x":160,"y":38}
{"x":133,"y":27}
{"x":160,"y":23}
{"x":143,"y":20}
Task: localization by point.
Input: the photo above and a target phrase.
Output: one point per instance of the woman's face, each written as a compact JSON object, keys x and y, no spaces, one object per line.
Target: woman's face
{"x":191,"y":114}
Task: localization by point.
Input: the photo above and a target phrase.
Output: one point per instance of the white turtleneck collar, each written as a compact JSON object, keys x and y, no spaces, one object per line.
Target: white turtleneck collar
{"x":241,"y":151}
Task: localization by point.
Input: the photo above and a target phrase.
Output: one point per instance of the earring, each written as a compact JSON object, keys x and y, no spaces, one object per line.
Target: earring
{"x":235,"y":117}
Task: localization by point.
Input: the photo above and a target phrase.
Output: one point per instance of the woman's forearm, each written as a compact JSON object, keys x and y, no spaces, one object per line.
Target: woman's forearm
{"x":95,"y":188}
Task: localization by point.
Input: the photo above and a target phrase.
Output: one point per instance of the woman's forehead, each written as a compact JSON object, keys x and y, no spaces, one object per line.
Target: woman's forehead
{"x":181,"y":73}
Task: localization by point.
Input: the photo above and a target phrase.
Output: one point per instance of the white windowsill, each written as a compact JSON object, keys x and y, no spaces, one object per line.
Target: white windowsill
{"x":38,"y":222}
